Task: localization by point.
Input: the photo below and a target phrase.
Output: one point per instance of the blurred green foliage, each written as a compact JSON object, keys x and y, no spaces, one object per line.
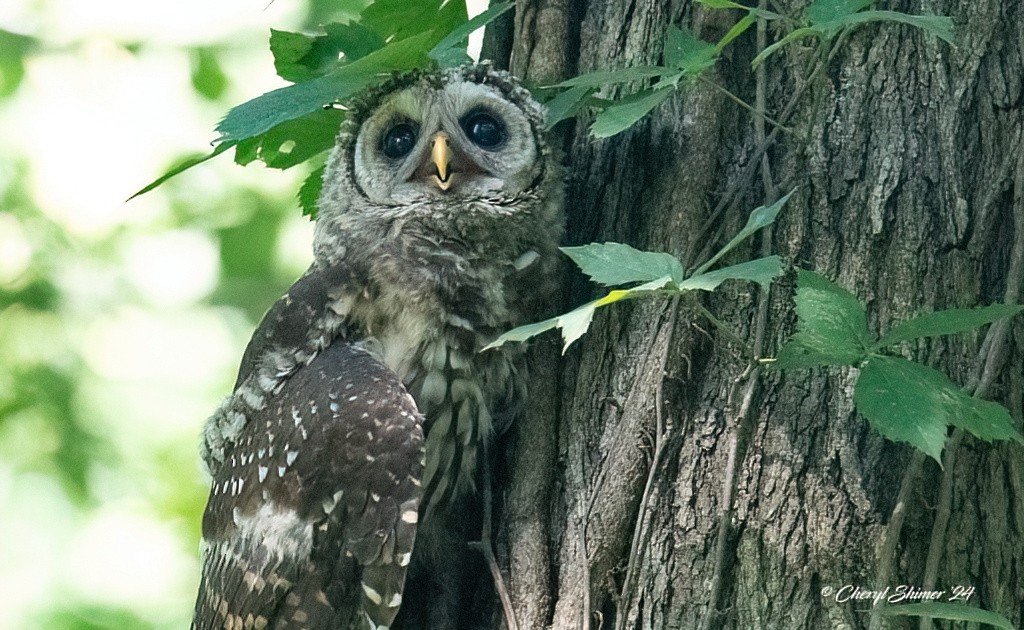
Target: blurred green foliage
{"x":106,"y":378}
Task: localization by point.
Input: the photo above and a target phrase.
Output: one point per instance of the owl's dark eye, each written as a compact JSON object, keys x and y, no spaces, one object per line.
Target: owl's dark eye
{"x":398,"y":141}
{"x":484,"y":130}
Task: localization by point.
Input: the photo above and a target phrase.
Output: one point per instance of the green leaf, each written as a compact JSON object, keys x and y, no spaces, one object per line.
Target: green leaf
{"x":827,"y":18}
{"x":522,"y":333}
{"x":13,"y":50}
{"x":761,"y":271}
{"x":947,"y":322}
{"x":938,"y":25}
{"x":622,"y":75}
{"x":622,"y":114}
{"x":760,"y":217}
{"x":577,"y":321}
{"x":613,"y":264}
{"x":299,"y":57}
{"x":823,"y":11}
{"x":910,"y":402}
{"x":399,"y":19}
{"x":685,"y":51}
{"x":728,"y":4}
{"x":265,"y":112}
{"x":208,"y":79}
{"x":831,"y":326}
{"x":353,"y":40}
{"x":289,"y":50}
{"x":737,"y":29}
{"x":293,"y":141}
{"x":309,"y":193}
{"x":457,"y":38}
{"x":945,"y":610}
{"x":573,"y":325}
{"x":182,"y":166}
{"x":567,"y":104}
{"x":722,"y":4}
{"x":983,"y":419}
{"x":905,"y":402}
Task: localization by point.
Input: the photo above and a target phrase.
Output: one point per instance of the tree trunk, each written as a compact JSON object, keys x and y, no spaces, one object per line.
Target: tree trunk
{"x":655,"y":482}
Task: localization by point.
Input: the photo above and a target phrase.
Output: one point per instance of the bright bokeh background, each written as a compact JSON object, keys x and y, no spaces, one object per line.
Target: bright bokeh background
{"x":122,"y":323}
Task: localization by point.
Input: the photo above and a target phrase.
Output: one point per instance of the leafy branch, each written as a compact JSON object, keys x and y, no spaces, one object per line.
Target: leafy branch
{"x":904,"y":400}
{"x":298,"y":123}
{"x":686,"y":59}
{"x":654,"y":274}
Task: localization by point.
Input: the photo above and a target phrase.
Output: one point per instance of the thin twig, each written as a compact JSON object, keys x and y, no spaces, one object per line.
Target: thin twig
{"x":747,"y":350}
{"x":486,"y":548}
{"x":737,"y":445}
{"x":891,"y":536}
{"x":660,"y":437}
{"x":995,"y":343}
{"x":591,"y":501}
{"x":742,"y":103}
{"x":747,"y":174}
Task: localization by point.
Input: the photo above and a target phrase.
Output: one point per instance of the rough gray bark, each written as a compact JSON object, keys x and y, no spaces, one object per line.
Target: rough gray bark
{"x":907,"y":158}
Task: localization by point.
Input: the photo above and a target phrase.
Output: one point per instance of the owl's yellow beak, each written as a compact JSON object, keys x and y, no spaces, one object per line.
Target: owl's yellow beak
{"x":441,"y":154}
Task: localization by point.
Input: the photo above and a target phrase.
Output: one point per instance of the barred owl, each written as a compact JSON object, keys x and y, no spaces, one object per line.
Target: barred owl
{"x":364,"y":404}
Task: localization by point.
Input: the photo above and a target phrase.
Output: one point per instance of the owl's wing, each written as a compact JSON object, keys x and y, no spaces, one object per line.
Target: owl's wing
{"x":312,"y":515}
{"x":300,"y":321}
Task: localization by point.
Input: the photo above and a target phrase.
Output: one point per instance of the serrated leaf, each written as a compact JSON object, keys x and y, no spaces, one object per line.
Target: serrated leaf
{"x":288,"y":50}
{"x":761,"y":217}
{"x":300,"y":57}
{"x":400,"y":19}
{"x":908,"y":402}
{"x":613,"y":264}
{"x":609,"y":77}
{"x":946,"y":610}
{"x":831,"y":326}
{"x":947,"y":322}
{"x":687,"y":52}
{"x":575,"y":323}
{"x":905,"y":402}
{"x":353,"y":40}
{"x":309,"y":193}
{"x":294,"y":141}
{"x":182,"y":166}
{"x":761,"y":271}
{"x":566,"y":104}
{"x":623,"y":113}
{"x":455,"y":42}
{"x":983,"y":419}
{"x":265,"y":112}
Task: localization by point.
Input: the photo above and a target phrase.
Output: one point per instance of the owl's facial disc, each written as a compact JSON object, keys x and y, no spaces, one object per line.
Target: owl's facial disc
{"x":460,"y":140}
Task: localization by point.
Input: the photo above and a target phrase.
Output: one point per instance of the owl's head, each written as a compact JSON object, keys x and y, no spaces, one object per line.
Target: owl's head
{"x":458,"y":135}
